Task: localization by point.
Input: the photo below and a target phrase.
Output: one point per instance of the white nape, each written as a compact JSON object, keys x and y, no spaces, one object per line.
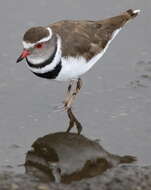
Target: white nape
{"x":28,"y":45}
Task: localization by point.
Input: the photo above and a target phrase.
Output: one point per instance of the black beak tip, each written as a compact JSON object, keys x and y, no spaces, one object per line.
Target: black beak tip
{"x":19,"y":59}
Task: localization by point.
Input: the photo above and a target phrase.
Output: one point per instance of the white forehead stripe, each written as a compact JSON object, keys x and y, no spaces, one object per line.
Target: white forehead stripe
{"x":28,"y":45}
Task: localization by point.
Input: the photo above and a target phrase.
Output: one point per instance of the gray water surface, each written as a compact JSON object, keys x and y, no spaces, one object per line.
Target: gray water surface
{"x":115,"y":102}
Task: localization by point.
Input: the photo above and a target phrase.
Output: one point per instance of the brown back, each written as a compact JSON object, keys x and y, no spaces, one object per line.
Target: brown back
{"x":88,"y":38}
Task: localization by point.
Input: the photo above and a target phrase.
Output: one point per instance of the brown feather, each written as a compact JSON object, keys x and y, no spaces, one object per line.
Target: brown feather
{"x":35,"y":34}
{"x":88,"y":38}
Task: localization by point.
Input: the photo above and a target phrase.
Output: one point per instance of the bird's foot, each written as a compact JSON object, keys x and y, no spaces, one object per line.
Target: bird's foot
{"x":59,"y":108}
{"x":62,"y":107}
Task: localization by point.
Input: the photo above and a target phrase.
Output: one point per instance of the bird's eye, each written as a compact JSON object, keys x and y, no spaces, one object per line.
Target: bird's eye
{"x":39,"y":46}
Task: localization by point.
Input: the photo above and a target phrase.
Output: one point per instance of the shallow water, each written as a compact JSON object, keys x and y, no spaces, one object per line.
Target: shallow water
{"x":114,"y":104}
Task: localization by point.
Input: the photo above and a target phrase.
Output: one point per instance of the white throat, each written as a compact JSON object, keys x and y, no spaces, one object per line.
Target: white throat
{"x":37,"y":60}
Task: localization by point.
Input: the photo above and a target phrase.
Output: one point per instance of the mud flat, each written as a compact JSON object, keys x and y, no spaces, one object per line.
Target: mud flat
{"x":122,"y":178}
{"x":52,"y":163}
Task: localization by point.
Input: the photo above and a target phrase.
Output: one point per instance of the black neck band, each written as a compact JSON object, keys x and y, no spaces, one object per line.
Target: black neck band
{"x":51,"y":74}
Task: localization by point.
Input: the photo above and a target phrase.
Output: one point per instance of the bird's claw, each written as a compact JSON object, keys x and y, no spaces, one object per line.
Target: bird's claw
{"x":62,"y":107}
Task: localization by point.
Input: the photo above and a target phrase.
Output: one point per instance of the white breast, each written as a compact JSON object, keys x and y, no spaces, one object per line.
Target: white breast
{"x":74,"y":67}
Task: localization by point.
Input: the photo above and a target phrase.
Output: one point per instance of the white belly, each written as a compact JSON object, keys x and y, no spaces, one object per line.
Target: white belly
{"x":72,"y":68}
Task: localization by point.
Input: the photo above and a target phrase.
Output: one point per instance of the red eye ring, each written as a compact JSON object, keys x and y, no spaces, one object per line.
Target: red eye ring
{"x":39,"y":46}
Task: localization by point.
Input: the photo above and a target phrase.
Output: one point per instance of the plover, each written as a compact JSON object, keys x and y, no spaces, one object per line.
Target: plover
{"x":67,"y":49}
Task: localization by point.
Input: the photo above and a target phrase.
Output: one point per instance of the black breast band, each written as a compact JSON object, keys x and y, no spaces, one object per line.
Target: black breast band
{"x":51,"y":74}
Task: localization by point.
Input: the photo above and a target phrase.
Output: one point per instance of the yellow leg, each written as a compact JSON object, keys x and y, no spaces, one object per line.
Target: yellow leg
{"x":72,"y":96}
{"x":69,"y":90}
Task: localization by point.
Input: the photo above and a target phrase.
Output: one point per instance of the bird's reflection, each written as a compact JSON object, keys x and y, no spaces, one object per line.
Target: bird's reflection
{"x":66,"y":157}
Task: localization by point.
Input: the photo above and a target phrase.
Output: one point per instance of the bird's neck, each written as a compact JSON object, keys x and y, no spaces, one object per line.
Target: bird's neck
{"x":43,"y":65}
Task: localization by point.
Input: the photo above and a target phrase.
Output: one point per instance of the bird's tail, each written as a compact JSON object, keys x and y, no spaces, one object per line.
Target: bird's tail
{"x":131,"y":13}
{"x":120,"y":20}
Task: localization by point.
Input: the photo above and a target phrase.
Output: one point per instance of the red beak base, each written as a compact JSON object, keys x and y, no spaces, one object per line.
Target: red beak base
{"x":23,"y":55}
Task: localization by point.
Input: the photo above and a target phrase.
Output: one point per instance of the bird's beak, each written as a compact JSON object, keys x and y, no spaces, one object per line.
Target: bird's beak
{"x":23,"y":55}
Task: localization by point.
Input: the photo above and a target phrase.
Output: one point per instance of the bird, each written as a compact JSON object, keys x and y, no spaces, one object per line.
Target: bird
{"x":67,"y":49}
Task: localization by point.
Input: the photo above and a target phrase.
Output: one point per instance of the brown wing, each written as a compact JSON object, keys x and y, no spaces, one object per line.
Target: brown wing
{"x":87,"y":38}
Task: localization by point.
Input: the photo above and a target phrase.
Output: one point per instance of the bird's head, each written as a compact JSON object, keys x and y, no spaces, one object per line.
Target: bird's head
{"x":37,"y":45}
